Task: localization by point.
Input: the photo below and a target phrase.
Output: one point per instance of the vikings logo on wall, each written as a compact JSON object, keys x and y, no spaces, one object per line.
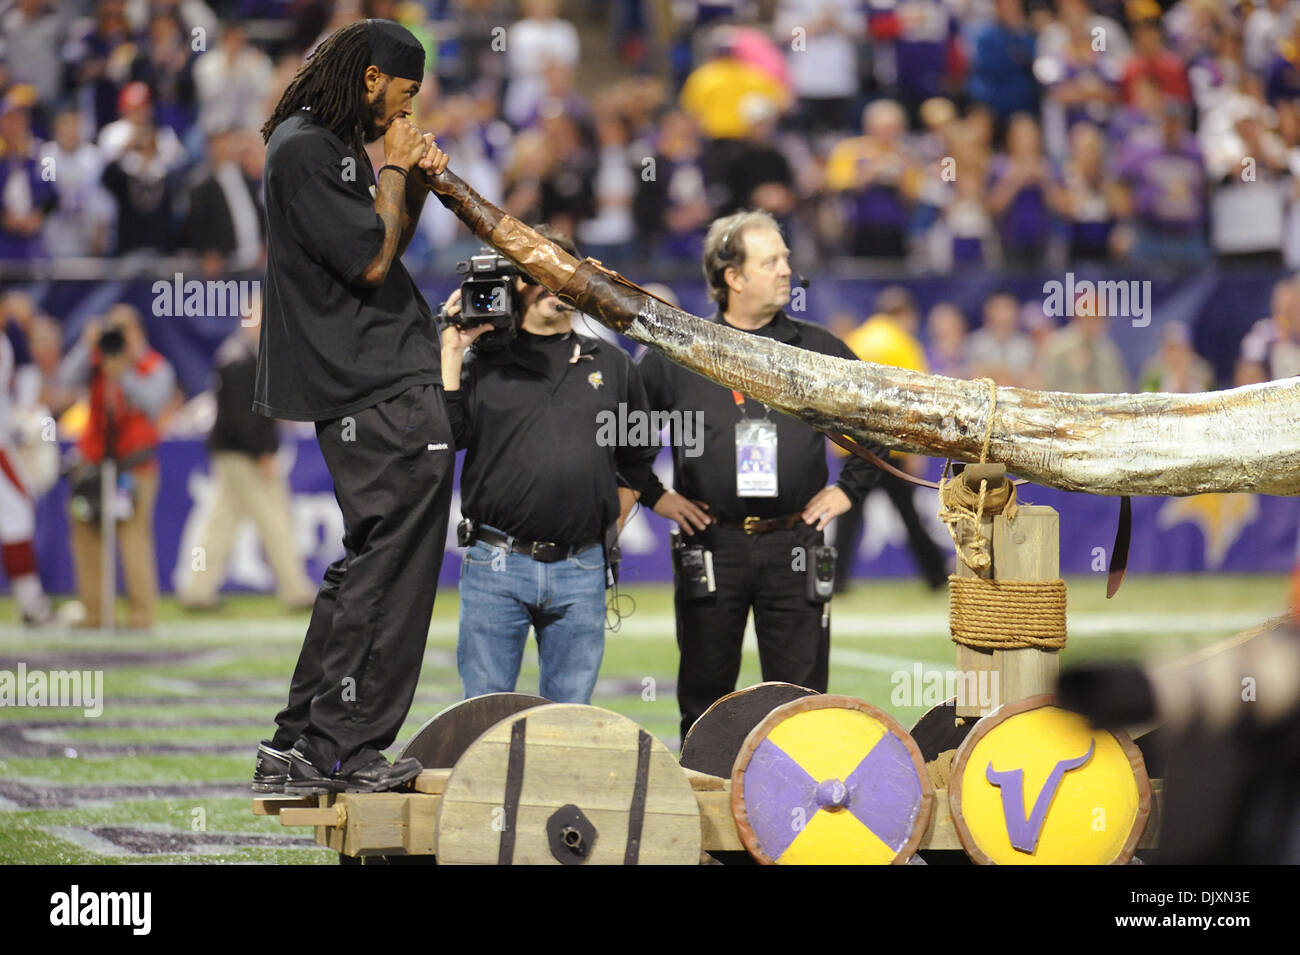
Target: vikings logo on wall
{"x":1034,"y":784}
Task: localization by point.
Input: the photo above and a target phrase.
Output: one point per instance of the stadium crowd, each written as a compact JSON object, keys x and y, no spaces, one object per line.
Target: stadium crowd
{"x":947,"y":133}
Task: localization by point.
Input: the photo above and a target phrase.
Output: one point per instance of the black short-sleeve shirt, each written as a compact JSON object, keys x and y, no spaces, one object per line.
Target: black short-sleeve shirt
{"x":331,"y":346}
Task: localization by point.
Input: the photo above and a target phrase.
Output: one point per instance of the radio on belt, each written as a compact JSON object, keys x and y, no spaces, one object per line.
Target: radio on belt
{"x":693,"y":567}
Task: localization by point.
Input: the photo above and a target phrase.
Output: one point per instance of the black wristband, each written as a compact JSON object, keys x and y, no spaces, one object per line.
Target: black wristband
{"x":391,"y":166}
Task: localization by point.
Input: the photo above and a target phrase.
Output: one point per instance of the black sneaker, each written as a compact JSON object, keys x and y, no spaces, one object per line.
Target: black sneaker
{"x":379,"y":775}
{"x":271,"y":772}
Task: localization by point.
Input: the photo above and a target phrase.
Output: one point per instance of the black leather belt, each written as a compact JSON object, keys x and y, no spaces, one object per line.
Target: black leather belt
{"x":545,"y":551}
{"x":765,"y":525}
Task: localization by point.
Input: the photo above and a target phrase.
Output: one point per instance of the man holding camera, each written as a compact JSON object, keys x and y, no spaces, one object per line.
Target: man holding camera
{"x":754,"y":503}
{"x":130,"y":385}
{"x":543,"y":490}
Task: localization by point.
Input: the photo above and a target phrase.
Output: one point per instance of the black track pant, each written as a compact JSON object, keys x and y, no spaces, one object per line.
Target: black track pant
{"x":360,"y":662}
{"x":755,"y":571}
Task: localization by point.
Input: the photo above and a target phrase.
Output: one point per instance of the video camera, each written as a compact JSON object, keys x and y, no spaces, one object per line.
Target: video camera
{"x":488,"y":296}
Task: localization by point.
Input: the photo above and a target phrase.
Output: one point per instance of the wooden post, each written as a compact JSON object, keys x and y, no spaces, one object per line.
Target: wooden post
{"x":1027,"y":548}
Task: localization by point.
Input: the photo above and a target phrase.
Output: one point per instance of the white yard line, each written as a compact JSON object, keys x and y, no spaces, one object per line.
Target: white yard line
{"x":660,"y":626}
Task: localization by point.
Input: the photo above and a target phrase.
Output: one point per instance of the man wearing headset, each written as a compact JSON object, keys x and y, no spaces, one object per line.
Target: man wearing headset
{"x":753,"y":505}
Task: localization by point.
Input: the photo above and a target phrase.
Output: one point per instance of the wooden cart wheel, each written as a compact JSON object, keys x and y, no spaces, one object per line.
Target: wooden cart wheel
{"x":714,"y":740}
{"x":1034,"y":784}
{"x":440,"y":741}
{"x":830,"y":780}
{"x":568,"y":784}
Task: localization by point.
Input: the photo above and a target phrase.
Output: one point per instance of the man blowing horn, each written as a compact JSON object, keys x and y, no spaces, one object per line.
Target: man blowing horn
{"x":348,"y":342}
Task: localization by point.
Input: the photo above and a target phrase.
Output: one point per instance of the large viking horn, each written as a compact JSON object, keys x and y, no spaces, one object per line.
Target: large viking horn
{"x":1245,"y":439}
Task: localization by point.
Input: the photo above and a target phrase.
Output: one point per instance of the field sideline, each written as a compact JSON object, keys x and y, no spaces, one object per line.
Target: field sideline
{"x":161,"y":776}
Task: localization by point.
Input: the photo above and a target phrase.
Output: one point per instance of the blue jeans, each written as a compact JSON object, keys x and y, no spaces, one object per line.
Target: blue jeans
{"x":503,"y":593}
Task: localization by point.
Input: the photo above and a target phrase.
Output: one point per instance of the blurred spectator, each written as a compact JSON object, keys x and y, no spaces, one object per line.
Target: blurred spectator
{"x":38,"y":383}
{"x":1080,"y":82}
{"x":1090,"y":202}
{"x":608,"y":234}
{"x":130,"y":384}
{"x":916,"y":50}
{"x":165,"y":65}
{"x":81,"y":223}
{"x":820,"y":40}
{"x":999,"y":349}
{"x":945,"y":346}
{"x":225,"y":224}
{"x":27,"y":196}
{"x":190,"y":14}
{"x":1249,"y":164}
{"x":1264,"y":28}
{"x":143,"y":163}
{"x":672,"y":206}
{"x":1271,"y":349}
{"x":1218,"y":72}
{"x":228,"y":79}
{"x":559,"y":95}
{"x":521,"y":176}
{"x":1024,"y":194}
{"x":753,"y":172}
{"x":889,"y":338}
{"x":532,"y":44}
{"x":97,"y":62}
{"x":1283,"y":78}
{"x":135,"y":105}
{"x":32,"y":32}
{"x":17,"y":505}
{"x":720,"y":94}
{"x":567,"y":194}
{"x":473,"y":145}
{"x":1151,"y":59}
{"x":965,"y":235}
{"x":1002,"y":68}
{"x":247,"y":483}
{"x":1166,"y":190}
{"x":1082,"y":358}
{"x":1071,"y":15}
{"x":878,"y":180}
{"x":478,"y":52}
{"x":1176,"y":367}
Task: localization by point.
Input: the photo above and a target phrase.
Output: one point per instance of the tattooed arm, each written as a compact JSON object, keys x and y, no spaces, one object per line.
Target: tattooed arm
{"x":404,"y":147}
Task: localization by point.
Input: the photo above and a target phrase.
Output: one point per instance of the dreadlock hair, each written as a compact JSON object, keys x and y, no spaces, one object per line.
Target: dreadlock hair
{"x":331,"y":83}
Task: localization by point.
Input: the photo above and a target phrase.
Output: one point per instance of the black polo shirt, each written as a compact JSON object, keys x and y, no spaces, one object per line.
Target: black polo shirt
{"x":527,"y":414}
{"x":329,"y":345}
{"x":801,"y":449}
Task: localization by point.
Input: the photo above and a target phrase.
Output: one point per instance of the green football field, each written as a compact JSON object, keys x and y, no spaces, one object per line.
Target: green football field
{"x":161,"y":775}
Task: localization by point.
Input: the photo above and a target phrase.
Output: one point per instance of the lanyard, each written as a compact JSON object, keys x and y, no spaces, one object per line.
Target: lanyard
{"x":739,"y":399}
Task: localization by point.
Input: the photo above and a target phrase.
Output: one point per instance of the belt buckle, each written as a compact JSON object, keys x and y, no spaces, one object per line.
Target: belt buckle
{"x":749,"y":524}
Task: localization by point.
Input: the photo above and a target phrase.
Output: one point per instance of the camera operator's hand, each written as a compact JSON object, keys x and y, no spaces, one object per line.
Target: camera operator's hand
{"x":403,"y":143}
{"x":688,"y":514}
{"x":455,"y":340}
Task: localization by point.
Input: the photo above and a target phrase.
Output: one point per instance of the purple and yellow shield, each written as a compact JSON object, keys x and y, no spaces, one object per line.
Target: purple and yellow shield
{"x":830,"y":780}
